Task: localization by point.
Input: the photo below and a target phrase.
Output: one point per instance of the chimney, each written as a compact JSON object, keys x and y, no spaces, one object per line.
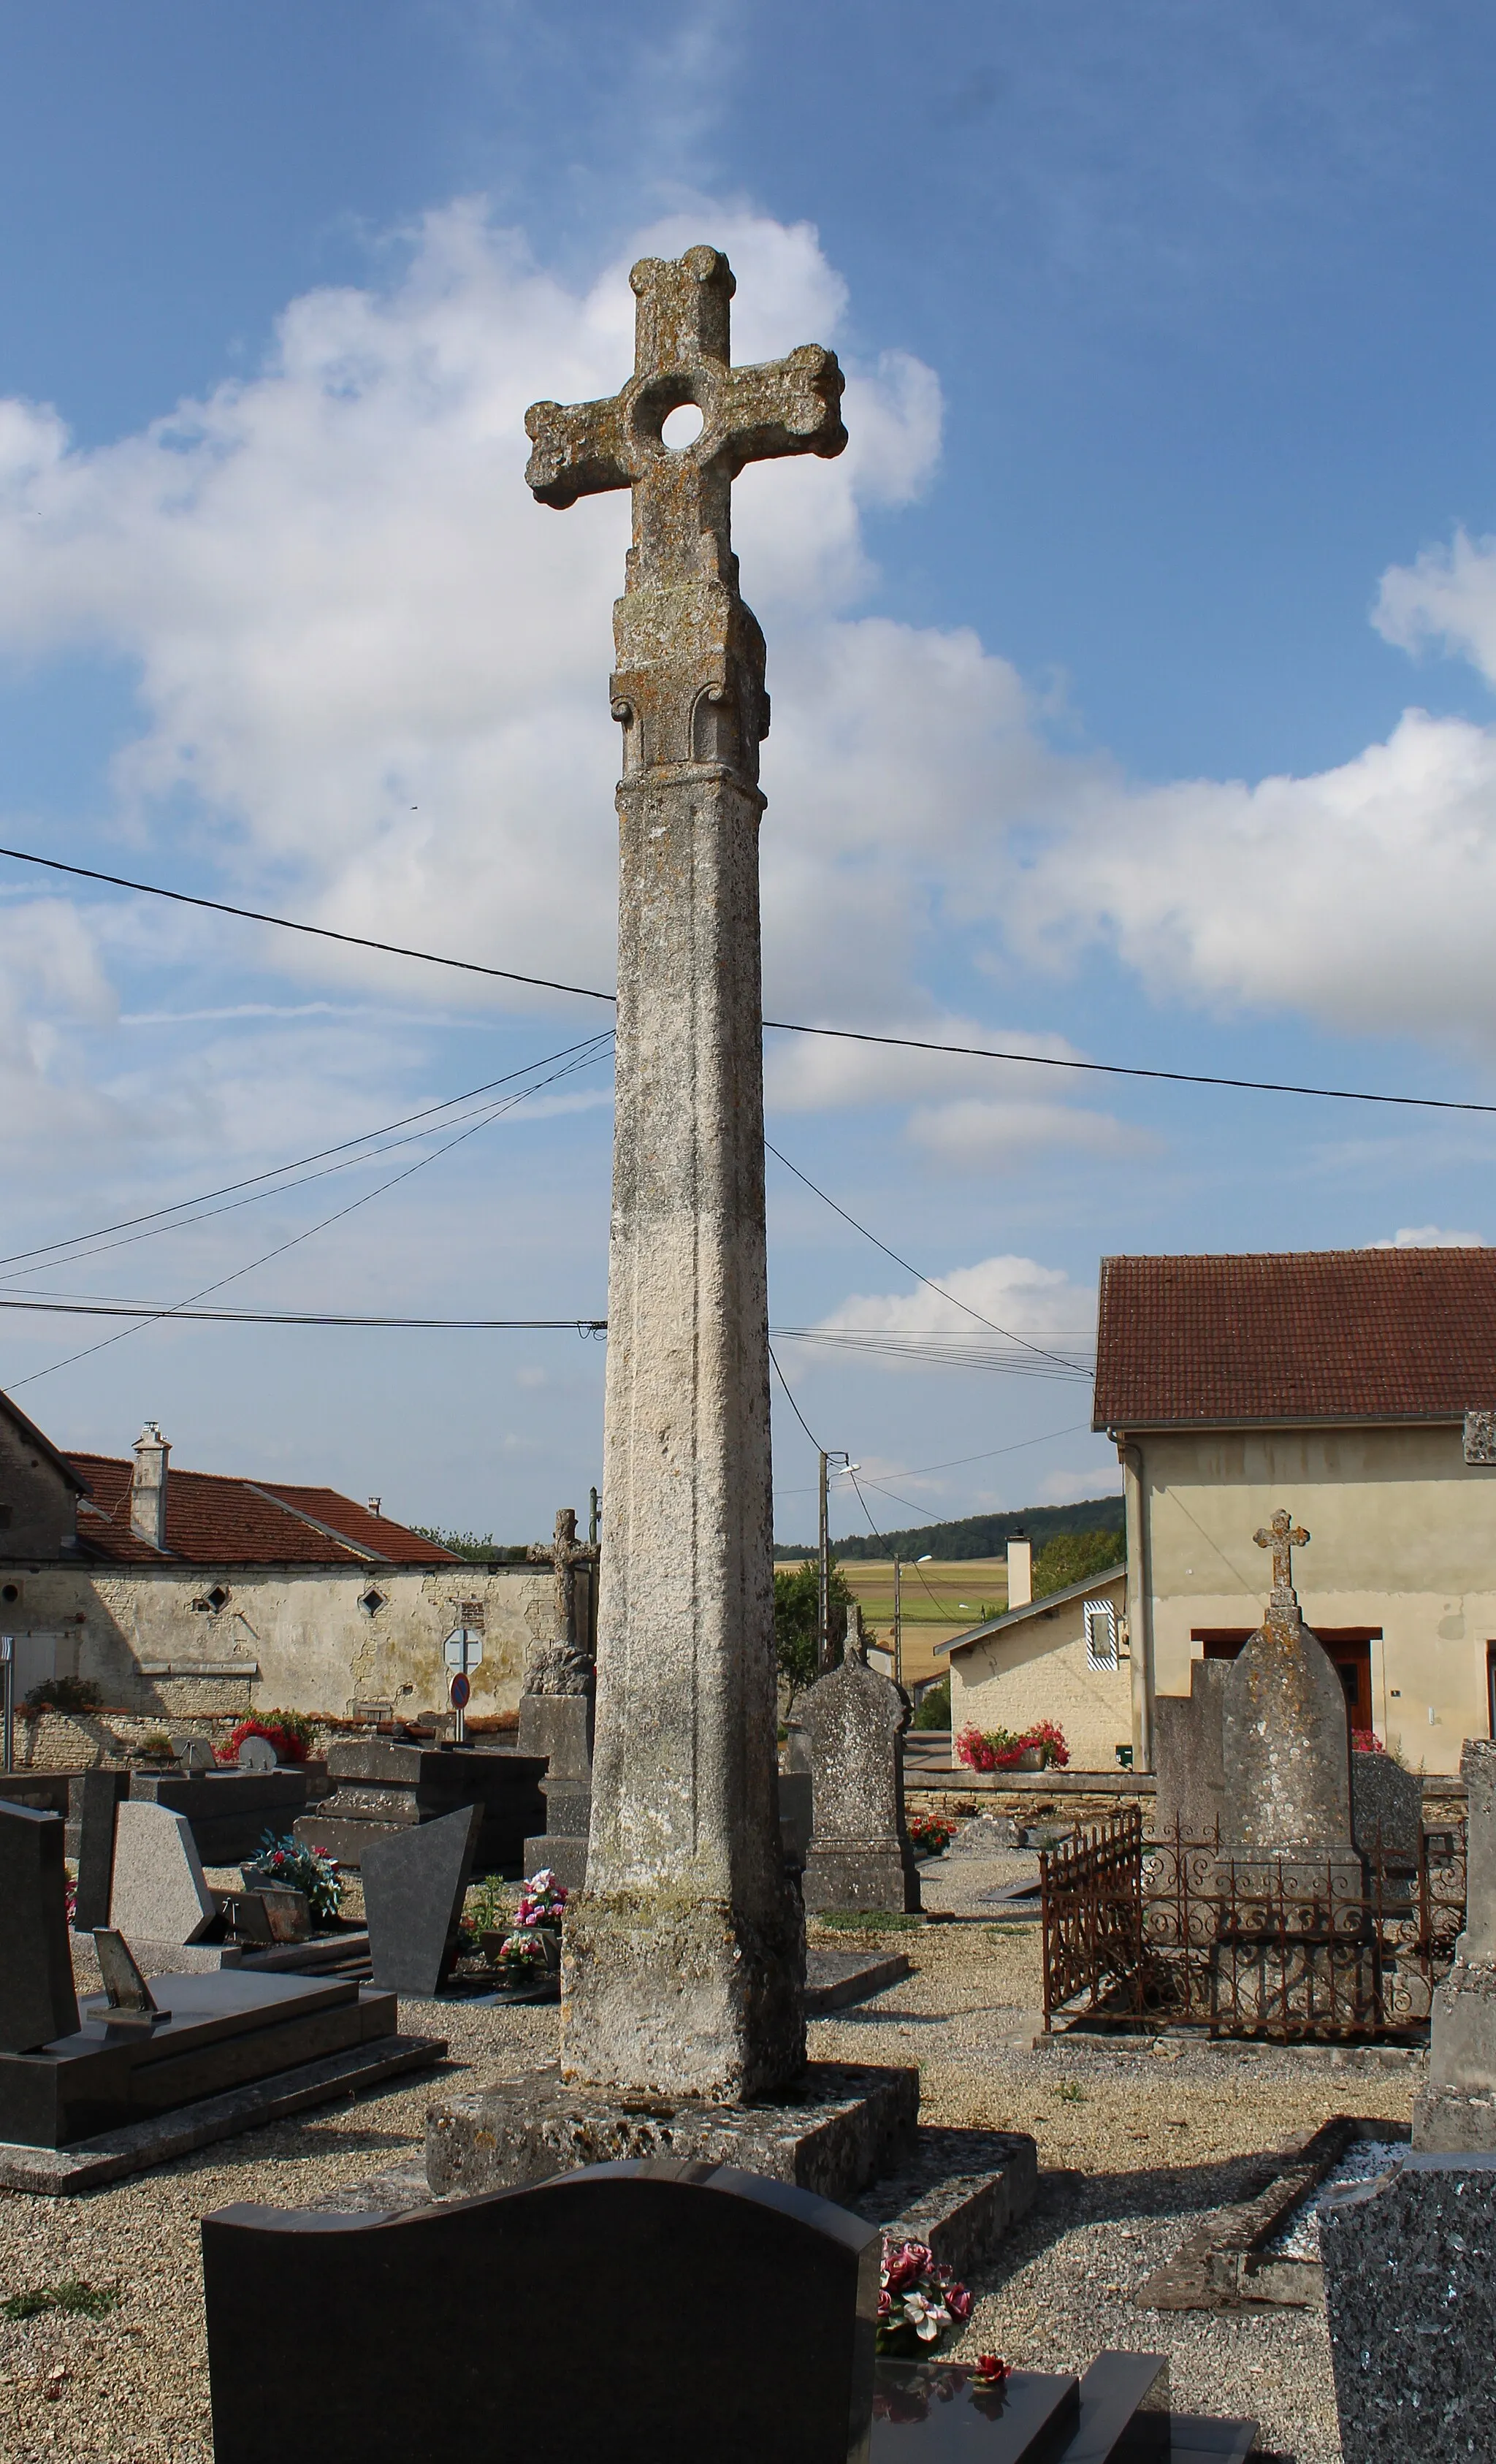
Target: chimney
{"x":375,"y":1502}
{"x":148,"y":1486}
{"x":1021,"y":1571}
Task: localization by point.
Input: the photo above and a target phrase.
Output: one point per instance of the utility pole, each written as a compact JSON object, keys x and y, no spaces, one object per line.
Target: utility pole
{"x":836,"y":1455}
{"x":898,"y":1623}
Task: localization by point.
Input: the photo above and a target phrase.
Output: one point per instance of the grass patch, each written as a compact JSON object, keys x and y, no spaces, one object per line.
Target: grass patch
{"x":79,"y":2300}
{"x":867,"y":1919}
{"x":1070,"y":2092}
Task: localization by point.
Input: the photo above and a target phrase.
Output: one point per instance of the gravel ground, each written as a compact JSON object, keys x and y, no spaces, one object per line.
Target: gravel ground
{"x":1133,"y":2145}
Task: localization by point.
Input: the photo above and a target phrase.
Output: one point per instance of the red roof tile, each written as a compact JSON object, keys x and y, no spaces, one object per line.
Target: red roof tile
{"x":216,"y":1521}
{"x":1353,"y":1334}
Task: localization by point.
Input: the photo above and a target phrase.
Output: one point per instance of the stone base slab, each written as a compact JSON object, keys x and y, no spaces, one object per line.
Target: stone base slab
{"x":840,"y":2128}
{"x":835,"y":1979}
{"x":1447,"y":2122}
{"x":860,"y":1881}
{"x":61,"y":2171}
{"x":960,"y":2191}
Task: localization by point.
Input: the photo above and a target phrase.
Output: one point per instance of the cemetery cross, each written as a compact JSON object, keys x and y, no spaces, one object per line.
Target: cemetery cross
{"x":683,"y":1962}
{"x":1283,"y":1535}
{"x":565,"y":1554}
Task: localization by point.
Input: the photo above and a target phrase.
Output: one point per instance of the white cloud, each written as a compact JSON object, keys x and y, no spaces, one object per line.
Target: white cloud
{"x":973,"y":1135}
{"x":1446,"y":598}
{"x":1015,"y":1294}
{"x":1428,"y":1236}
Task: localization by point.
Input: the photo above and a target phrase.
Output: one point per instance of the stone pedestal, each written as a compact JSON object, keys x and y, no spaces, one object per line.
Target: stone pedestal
{"x":860,"y":1856}
{"x":560,"y":1726}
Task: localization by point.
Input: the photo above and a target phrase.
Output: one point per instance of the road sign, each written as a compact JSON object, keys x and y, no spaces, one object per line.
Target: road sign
{"x":461,"y":1692}
{"x":464,"y":1648}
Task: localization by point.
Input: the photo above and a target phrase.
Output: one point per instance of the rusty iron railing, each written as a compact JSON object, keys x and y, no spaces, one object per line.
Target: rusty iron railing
{"x":1187,"y":1932}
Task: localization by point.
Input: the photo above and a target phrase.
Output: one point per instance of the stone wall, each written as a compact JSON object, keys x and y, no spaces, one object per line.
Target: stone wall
{"x":78,"y":1741}
{"x":287,"y":1637}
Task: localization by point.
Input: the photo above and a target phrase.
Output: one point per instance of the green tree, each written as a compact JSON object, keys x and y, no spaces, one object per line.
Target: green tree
{"x":934,"y":1707}
{"x":1073,"y":1557}
{"x":797,"y":1615}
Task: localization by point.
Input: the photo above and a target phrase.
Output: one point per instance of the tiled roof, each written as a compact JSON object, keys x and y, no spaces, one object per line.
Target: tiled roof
{"x":1087,"y":1588}
{"x":214,"y":1521}
{"x":1335,"y":1335}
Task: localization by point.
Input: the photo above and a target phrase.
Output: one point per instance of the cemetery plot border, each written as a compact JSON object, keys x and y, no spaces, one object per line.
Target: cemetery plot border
{"x":1175,"y":1931}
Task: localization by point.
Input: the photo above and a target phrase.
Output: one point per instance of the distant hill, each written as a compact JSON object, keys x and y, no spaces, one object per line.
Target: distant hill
{"x":975,"y":1535}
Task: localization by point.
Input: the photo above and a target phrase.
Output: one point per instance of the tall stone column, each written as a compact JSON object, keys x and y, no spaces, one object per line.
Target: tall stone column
{"x":684,"y":1954}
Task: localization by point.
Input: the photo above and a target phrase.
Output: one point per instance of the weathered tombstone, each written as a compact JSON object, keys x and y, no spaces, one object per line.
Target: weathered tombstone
{"x":159,"y":1894}
{"x":196,"y":1754}
{"x":1189,"y":1801}
{"x":1386,"y":1811}
{"x":257,"y":1754}
{"x":94,"y":1798}
{"x":859,"y":1855}
{"x":1410,"y":2290}
{"x":713,"y":2384}
{"x":413,"y":1887}
{"x":37,"y":2001}
{"x":1456,"y":2112}
{"x":556,"y":1714}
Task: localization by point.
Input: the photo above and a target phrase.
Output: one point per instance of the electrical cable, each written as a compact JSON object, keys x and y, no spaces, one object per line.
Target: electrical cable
{"x":295,"y":1317}
{"x":193,"y":1298}
{"x":781,"y":1025}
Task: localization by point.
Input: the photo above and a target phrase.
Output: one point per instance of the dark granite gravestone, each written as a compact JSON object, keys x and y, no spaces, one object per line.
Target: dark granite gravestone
{"x":796,"y":1818}
{"x":93,"y":1802}
{"x":414,"y":1886}
{"x":1410,"y":2289}
{"x":229,"y":1811}
{"x":383,"y":1786}
{"x":859,"y":1855}
{"x":37,"y":2001}
{"x":718,"y":2315}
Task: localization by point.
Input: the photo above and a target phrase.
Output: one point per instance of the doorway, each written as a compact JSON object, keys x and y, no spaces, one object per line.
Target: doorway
{"x":1349,"y":1647}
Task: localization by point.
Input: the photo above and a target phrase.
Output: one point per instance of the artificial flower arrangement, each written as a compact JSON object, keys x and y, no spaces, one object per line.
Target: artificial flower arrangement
{"x":931,"y":1832}
{"x":917,"y":2300}
{"x":1002,"y":1748}
{"x":530,"y":1951}
{"x":287,"y":1732}
{"x":1365,"y":1740}
{"x":287,"y":1866}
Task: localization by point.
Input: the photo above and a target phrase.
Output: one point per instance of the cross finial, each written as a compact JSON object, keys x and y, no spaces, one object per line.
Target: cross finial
{"x":1283,"y":1535}
{"x":682,"y":354}
{"x":564,"y":1553}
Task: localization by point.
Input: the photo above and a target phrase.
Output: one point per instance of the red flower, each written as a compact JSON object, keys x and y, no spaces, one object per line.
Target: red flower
{"x":992,"y":2370}
{"x":959,"y":2301}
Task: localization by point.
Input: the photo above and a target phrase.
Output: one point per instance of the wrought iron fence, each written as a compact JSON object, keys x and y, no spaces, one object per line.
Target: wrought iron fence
{"x":1189,"y":1932}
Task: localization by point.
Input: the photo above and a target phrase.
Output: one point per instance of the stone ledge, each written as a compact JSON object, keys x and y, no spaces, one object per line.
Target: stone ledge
{"x":57,"y":2172}
{"x":834,"y":1979}
{"x":959,"y":2193}
{"x":1448,"y":2122}
{"x":841,"y":2128}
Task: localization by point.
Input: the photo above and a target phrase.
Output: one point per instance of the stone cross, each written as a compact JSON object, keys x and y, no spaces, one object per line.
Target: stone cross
{"x":1283,"y":1535}
{"x":565,"y":1554}
{"x":684,"y":1960}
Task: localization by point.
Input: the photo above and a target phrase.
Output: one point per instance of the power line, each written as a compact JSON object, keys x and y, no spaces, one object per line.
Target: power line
{"x":1067,"y":1366}
{"x":295,"y":1317}
{"x":295,"y":1241}
{"x":48,"y":1249}
{"x":781,"y":1025}
{"x":913,"y":1471}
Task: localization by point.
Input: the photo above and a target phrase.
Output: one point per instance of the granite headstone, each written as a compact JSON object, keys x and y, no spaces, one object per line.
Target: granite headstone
{"x":859,"y":1855}
{"x":1410,"y":2289}
{"x":37,"y":2001}
{"x":94,"y":1797}
{"x":413,"y":1888}
{"x":159,"y":1893}
{"x":705,"y":2380}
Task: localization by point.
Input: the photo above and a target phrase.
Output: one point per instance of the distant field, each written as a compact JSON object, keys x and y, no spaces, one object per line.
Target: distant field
{"x":940,"y":1600}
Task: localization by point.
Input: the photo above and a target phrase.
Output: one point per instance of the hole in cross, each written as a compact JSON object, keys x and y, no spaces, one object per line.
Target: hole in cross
{"x":682,"y":427}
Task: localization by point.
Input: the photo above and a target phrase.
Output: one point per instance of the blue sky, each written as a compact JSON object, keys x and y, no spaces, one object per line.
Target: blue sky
{"x":1132,"y":680}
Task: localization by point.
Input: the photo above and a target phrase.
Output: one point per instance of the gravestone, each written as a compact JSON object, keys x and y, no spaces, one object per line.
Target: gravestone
{"x":1410,"y":2291}
{"x":556,"y":1713}
{"x":196,"y":1754}
{"x":859,"y":1855}
{"x":1190,"y":1798}
{"x":1386,"y":1811}
{"x":230,"y":1808}
{"x":704,"y":2241}
{"x":92,"y":1800}
{"x":797,"y":1816}
{"x":257,"y":1754}
{"x":413,"y":1887}
{"x":37,"y":2001}
{"x":1456,"y":2112}
{"x":159,"y":1894}
{"x":383,"y":1787}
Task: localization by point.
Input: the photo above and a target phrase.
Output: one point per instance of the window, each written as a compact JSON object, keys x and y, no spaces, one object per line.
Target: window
{"x":212,"y":1601}
{"x":1101,"y":1634}
{"x":11,"y":1594}
{"x":371,"y":1601}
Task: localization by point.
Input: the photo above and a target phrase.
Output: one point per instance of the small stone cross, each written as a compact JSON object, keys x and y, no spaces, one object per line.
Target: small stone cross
{"x":1283,"y":1535}
{"x":565,"y":1554}
{"x":682,"y":498}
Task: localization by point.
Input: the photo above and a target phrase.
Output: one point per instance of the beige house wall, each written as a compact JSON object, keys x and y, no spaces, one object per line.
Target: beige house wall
{"x":290,"y":1637}
{"x":1039,"y":1670}
{"x":1403,"y":1537}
